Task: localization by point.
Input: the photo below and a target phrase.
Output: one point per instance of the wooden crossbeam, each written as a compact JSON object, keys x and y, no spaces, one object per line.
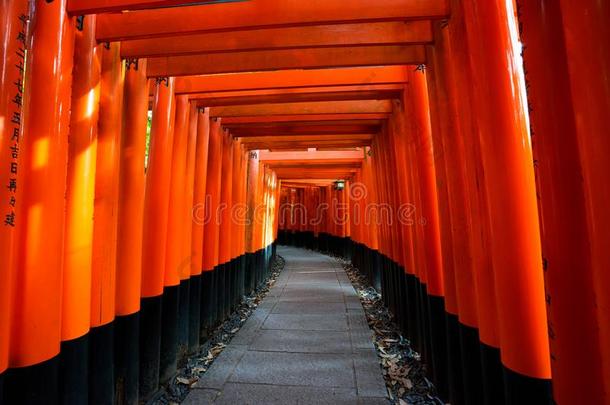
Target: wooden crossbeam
{"x":374,"y":118}
{"x":276,"y":130}
{"x":255,"y":14}
{"x":272,"y":158}
{"x":335,"y":93}
{"x":306,"y":138}
{"x":309,"y":58}
{"x":322,"y":107}
{"x":292,"y":79}
{"x":303,"y":142}
{"x":317,"y":36}
{"x":290,"y":126}
{"x":80,"y":7}
{"x":321,"y":165}
{"x":293,"y":174}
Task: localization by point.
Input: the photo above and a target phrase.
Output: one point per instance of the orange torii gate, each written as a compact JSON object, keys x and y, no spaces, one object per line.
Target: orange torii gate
{"x":409,"y":122}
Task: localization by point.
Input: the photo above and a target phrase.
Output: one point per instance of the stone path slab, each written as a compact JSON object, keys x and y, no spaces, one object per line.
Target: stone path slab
{"x":308,"y":342}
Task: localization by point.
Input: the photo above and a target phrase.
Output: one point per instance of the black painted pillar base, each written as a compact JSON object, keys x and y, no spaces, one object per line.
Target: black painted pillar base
{"x":438,"y":332}
{"x":243,"y":264}
{"x":168,"y":360}
{"x":493,"y":375}
{"x":227,"y":294}
{"x":377,"y":268}
{"x":425,"y":324}
{"x":101,"y":364}
{"x":418,"y":332}
{"x":412,"y":332}
{"x":33,"y":385}
{"x":255,"y":264}
{"x":382,"y":281}
{"x":234,"y":276}
{"x":74,"y":371}
{"x":404,"y":302}
{"x":220,"y":293}
{"x":126,"y":359}
{"x":208,"y":304}
{"x":471,"y":364}
{"x":268,"y":261}
{"x":183,"y":320}
{"x":249,"y":274}
{"x":150,"y":345}
{"x":454,"y":361}
{"x":194,"y":322}
{"x":524,"y":390}
{"x":260,"y":268}
{"x":398,"y":290}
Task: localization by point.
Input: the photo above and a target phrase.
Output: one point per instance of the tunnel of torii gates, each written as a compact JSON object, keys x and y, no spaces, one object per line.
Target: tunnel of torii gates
{"x":468,"y":180}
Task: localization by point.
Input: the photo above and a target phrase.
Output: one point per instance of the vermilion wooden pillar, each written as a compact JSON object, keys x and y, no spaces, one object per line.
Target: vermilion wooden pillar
{"x":197,"y":221}
{"x":243,"y":215}
{"x":156,"y":209}
{"x":396,"y":264}
{"x":263,"y":173}
{"x":105,"y":222}
{"x":453,"y":52}
{"x":189,"y":335}
{"x":370,"y":217}
{"x":251,"y":237}
{"x":461,"y":227}
{"x":509,"y":184}
{"x":199,"y":195}
{"x":408,"y":216}
{"x":189,"y":185}
{"x":418,"y":289}
{"x":175,"y":263}
{"x":556,"y":123}
{"x":266,"y":224}
{"x":454,"y":218}
{"x":425,"y":154}
{"x":80,"y":193}
{"x":224,"y":218}
{"x":211,"y":229}
{"x":345,"y":217}
{"x":410,"y":220}
{"x":40,"y":206}
{"x":261,"y":219}
{"x":275,"y":184}
{"x":236,"y":223}
{"x":187,"y":169}
{"x":382,"y":170}
{"x":264,"y":193}
{"x":403,"y":210}
{"x":13,"y":19}
{"x":174,"y":260}
{"x":130,"y":218}
{"x":270,"y":222}
{"x":379,"y":177}
{"x":383,"y":212}
{"x":586,"y":30}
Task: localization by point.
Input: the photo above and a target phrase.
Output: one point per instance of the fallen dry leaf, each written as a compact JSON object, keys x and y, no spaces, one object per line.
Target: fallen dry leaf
{"x":186,"y":381}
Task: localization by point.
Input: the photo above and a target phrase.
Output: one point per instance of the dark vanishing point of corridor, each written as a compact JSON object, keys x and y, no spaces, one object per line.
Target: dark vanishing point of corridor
{"x":308,"y":342}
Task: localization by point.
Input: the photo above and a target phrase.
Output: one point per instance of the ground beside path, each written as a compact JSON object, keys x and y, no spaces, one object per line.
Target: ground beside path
{"x":308,"y":342}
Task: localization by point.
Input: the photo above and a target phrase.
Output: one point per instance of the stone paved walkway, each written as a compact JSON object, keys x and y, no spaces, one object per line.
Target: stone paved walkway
{"x":307,"y":343}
